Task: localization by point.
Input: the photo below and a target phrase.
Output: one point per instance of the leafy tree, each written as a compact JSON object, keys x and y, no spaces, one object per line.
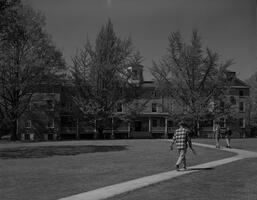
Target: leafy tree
{"x":194,"y":78}
{"x":252,"y":82}
{"x":28,"y":58}
{"x":102,"y":77}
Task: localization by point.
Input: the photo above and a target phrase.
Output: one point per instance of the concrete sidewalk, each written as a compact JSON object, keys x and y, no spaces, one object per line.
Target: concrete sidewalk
{"x":113,"y":190}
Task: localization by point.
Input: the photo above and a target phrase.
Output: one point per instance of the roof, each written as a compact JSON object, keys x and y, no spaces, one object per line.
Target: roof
{"x":239,"y":83}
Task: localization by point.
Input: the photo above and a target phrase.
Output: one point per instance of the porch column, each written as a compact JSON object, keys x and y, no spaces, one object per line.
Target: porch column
{"x":112,"y":136}
{"x":150,"y":125}
{"x":166,"y":128}
{"x":95,"y":131}
{"x":129,"y":130}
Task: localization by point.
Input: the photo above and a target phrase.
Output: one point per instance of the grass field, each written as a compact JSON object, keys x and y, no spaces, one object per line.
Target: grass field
{"x":246,"y":143}
{"x":57,"y":176}
{"x":234,"y":181}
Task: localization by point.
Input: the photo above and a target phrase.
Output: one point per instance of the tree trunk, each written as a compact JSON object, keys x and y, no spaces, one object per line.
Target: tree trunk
{"x":14,"y":130}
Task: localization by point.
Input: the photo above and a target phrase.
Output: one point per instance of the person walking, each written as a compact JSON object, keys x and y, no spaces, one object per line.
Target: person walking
{"x":216,"y":133}
{"x":228,"y":136}
{"x":182,"y":140}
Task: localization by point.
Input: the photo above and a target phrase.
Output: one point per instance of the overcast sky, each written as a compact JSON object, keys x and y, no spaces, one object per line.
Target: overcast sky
{"x":226,"y":26}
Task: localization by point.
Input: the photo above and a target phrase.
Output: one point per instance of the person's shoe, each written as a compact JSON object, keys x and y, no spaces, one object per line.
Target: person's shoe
{"x":184,"y":168}
{"x":177,"y":167}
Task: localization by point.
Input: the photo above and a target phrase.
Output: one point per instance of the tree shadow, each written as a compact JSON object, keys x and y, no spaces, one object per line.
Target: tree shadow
{"x":48,"y":151}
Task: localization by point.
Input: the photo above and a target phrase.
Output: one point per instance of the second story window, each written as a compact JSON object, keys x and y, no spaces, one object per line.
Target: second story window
{"x":241,"y":93}
{"x":50,"y":104}
{"x":28,"y":124}
{"x":171,"y":106}
{"x":154,"y":94}
{"x":241,"y":106}
{"x":50,"y":123}
{"x":119,"y":107}
{"x":154,"y":107}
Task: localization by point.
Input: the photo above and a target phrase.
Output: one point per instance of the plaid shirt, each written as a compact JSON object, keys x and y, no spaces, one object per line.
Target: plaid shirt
{"x":181,"y":137}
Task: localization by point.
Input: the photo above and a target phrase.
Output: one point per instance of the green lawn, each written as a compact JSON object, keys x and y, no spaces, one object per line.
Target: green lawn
{"x":249,"y":144}
{"x":234,"y":181}
{"x":54,"y":177}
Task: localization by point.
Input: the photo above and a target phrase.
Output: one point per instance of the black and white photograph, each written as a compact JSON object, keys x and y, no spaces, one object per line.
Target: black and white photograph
{"x":128,"y":99}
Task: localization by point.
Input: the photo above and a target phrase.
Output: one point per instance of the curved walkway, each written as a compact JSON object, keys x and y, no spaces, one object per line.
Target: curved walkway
{"x":113,"y":190}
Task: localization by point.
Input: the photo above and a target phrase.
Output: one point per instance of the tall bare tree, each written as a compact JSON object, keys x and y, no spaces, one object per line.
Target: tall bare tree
{"x":27,"y":59}
{"x":193,"y":77}
{"x":101,"y":76}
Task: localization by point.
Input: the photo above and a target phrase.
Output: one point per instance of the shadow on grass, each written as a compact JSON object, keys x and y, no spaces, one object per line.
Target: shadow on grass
{"x":199,"y":169}
{"x":48,"y":151}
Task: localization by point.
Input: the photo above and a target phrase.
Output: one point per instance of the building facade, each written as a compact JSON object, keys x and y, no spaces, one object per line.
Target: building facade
{"x":53,"y":115}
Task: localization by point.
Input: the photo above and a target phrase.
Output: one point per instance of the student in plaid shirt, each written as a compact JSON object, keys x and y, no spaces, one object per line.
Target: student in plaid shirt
{"x":182,"y":139}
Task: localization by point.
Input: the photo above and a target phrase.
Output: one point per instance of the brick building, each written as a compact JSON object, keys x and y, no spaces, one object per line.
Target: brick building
{"x":53,"y":115}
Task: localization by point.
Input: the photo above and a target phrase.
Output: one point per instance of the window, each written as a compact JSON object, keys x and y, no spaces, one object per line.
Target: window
{"x":241,"y":93}
{"x":154,"y":94}
{"x":67,"y":121}
{"x":68,"y":106}
{"x":50,"y":104}
{"x":154,"y":107}
{"x":27,"y":137}
{"x":241,"y":106}
{"x":242,"y":123}
{"x":50,"y":123}
{"x":170,"y":123}
{"x":171,"y":106}
{"x":162,"y":122}
{"x":119,"y":107}
{"x":232,"y":100}
{"x":154,"y":122}
{"x":222,"y":106}
{"x":28,"y":124}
